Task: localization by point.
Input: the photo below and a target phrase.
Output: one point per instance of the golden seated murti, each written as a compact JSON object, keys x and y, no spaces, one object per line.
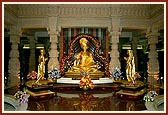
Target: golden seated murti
{"x":87,"y":47}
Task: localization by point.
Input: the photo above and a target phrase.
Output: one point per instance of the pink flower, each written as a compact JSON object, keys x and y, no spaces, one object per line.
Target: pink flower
{"x":137,"y":75}
{"x":32,"y":75}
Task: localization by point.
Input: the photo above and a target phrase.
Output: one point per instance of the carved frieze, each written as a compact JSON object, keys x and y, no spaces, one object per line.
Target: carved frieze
{"x":86,"y":10}
{"x":156,"y":9}
{"x":33,"y":10}
{"x":43,"y":15}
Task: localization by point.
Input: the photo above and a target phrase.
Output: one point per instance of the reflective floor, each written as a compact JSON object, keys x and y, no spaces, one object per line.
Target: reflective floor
{"x":76,"y":99}
{"x":80,"y":100}
{"x":85,"y":101}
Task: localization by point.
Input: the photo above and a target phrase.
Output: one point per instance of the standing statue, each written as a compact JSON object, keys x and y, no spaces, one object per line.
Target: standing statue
{"x":41,"y":66}
{"x":84,"y":59}
{"x":130,"y":67}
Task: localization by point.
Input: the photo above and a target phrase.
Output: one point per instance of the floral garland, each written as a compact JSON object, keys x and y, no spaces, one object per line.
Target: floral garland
{"x":22,"y":96}
{"x":32,"y":75}
{"x":85,"y":81}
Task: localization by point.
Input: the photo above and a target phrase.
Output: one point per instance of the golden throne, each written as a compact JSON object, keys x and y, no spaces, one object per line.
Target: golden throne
{"x":85,"y":48}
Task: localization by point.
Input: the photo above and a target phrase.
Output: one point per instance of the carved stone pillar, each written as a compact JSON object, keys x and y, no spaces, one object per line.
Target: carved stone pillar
{"x":14,"y":63}
{"x":114,"y":38}
{"x":134,"y":49}
{"x":114,"y":54}
{"x":53,"y":53}
{"x":153,"y":64}
{"x":32,"y":59}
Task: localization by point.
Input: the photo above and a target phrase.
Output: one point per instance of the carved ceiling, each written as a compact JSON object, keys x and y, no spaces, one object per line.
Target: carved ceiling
{"x":85,"y":10}
{"x":26,"y":13}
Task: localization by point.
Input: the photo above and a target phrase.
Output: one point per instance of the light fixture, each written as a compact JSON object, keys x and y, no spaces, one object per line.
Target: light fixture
{"x":38,"y":46}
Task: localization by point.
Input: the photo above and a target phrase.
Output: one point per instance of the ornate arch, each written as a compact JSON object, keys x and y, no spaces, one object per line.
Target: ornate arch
{"x":94,"y":47}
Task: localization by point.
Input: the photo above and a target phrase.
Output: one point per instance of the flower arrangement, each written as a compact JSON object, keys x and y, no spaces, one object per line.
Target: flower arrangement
{"x":22,"y":96}
{"x":54,"y":74}
{"x":149,"y":97}
{"x":32,"y":75}
{"x":85,"y":81}
{"x":117,"y":74}
{"x":137,"y":75}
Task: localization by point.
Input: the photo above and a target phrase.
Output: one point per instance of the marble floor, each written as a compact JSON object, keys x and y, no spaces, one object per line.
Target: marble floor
{"x":79,"y":100}
{"x":85,"y":101}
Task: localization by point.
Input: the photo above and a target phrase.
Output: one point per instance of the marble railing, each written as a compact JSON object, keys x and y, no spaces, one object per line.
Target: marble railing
{"x":12,"y":104}
{"x":156,"y":105}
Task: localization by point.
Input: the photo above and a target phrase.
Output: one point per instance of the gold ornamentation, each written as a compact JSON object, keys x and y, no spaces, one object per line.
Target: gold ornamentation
{"x":130,"y":67}
{"x":86,"y":82}
{"x":84,"y":59}
{"x":41,"y":66}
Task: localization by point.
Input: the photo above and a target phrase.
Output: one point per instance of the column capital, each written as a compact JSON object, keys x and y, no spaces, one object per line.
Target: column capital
{"x":149,"y":34}
{"x":134,"y":40}
{"x":31,"y":38}
{"x":115,"y":23}
{"x":152,"y":31}
{"x":53,"y":30}
{"x":115,"y":33}
{"x":32,"y":41}
{"x":114,"y":36}
{"x":152,"y":37}
{"x":15,"y":31}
